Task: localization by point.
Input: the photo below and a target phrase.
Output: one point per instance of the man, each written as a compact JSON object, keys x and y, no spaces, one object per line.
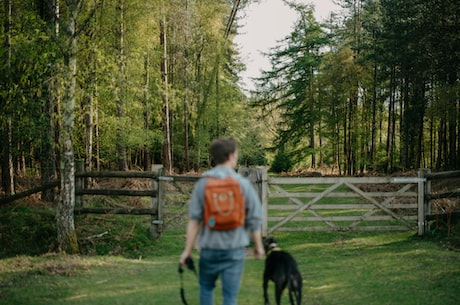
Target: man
{"x":222,"y":252}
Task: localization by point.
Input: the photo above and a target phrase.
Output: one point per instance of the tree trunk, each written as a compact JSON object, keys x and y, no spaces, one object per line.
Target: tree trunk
{"x":66,"y":234}
{"x":48,"y":156}
{"x":164,"y":74}
{"x":6,"y":139}
{"x":51,"y":14}
{"x":391,"y":131}
{"x":311,"y":126}
{"x":7,"y":158}
{"x":146,"y":160}
{"x":453,"y":121}
{"x":96,"y":135}
{"x":186,"y":96}
{"x":89,"y":123}
{"x":374,"y":115}
{"x":89,"y":106}
{"x":121,"y":147}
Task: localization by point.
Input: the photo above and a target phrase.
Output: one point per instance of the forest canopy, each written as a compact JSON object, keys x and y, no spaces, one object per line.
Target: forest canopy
{"x":124,"y":84}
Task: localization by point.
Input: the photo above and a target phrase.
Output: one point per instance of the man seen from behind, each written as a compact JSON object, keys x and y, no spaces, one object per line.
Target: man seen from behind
{"x":222,"y":251}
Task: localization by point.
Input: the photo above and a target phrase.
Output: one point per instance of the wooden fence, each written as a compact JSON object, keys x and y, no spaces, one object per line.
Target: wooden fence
{"x":441,"y":202}
{"x":337,"y":203}
{"x":294,"y":203}
{"x":157,"y":193}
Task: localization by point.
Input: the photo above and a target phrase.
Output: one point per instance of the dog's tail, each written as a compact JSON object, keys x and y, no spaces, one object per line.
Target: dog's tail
{"x":295,"y":289}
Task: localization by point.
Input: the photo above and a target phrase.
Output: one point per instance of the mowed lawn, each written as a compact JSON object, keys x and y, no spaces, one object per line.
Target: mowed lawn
{"x":338,"y":268}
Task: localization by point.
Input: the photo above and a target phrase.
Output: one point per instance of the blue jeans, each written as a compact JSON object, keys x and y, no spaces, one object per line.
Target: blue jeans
{"x":226,"y":263}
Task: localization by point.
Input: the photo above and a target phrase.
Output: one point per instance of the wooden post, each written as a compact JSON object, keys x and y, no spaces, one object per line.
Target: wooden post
{"x":427,"y":207}
{"x":79,"y":183}
{"x":422,"y":202}
{"x":157,"y":203}
{"x":264,"y":200}
{"x":258,"y":178}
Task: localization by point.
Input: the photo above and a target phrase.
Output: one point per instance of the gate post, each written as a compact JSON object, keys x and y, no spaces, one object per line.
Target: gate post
{"x":156,"y":224}
{"x":264,"y":200}
{"x":259,"y":179}
{"x":423,"y":207}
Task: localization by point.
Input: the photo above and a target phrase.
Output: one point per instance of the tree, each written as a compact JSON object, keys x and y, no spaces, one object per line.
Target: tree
{"x":121,"y":86}
{"x":442,"y":17}
{"x":165,"y":96}
{"x":67,"y":237}
{"x":5,"y":102}
{"x":50,"y":13}
{"x":290,"y":86}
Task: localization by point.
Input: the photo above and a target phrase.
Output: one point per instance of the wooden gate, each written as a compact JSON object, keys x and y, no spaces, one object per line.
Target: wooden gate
{"x":336,"y":203}
{"x":342,"y":204}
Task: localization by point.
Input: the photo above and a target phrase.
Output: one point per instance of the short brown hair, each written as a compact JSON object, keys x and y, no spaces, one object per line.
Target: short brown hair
{"x":222,"y":148}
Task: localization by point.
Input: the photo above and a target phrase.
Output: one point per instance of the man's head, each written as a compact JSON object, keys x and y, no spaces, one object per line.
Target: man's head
{"x":224,"y":150}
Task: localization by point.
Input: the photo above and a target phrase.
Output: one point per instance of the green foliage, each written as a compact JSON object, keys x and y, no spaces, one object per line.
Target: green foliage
{"x":205,"y":100}
{"x":281,"y":163}
{"x":290,"y":85}
{"x":27,"y":230}
{"x":366,"y":91}
{"x":367,"y":100}
{"x":114,"y":235}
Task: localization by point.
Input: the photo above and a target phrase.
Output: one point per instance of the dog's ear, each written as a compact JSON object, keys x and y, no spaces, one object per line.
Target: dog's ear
{"x":269,"y":240}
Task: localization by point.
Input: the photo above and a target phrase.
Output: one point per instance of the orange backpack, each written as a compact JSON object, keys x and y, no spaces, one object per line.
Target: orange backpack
{"x":224,"y":207}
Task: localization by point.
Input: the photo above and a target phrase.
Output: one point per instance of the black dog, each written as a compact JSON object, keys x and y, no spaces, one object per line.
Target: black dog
{"x":281,"y":268}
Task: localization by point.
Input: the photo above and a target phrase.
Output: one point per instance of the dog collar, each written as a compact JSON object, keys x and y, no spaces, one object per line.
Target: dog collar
{"x":273,"y":248}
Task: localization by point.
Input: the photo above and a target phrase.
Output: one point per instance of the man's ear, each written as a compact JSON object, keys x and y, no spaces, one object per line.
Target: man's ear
{"x":233,"y":157}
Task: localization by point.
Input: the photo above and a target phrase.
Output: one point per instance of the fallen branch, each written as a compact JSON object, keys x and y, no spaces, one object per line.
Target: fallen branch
{"x":97,"y":235}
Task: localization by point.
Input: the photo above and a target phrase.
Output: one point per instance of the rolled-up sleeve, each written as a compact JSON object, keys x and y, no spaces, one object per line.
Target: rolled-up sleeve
{"x":196,"y":206}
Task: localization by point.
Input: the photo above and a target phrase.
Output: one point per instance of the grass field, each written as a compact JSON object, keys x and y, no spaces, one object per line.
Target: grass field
{"x":120,"y":264}
{"x":338,"y":268}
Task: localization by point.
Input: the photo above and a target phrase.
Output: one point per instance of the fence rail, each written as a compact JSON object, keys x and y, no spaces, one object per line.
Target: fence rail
{"x":295,"y":203}
{"x":157,"y":195}
{"x":291,"y":203}
{"x":431,"y":197}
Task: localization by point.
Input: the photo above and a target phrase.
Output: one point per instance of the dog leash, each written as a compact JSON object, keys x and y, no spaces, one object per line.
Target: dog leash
{"x":191,"y":266}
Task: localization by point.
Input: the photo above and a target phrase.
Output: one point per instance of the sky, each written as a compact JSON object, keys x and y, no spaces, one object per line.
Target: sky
{"x":263,"y":25}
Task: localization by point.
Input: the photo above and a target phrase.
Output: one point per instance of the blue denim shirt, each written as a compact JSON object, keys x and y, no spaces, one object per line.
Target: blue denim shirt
{"x":231,"y":239}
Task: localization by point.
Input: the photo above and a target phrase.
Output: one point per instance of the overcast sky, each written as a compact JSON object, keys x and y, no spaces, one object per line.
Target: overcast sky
{"x":263,"y":25}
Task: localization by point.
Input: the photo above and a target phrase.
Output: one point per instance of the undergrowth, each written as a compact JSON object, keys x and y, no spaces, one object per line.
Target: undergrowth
{"x":27,"y":229}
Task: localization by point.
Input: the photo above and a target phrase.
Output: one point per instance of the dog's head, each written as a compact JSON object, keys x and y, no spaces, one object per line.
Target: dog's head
{"x":269,"y":244}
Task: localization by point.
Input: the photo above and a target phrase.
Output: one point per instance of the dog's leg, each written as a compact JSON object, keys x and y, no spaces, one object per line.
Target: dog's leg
{"x":295,"y":290}
{"x":278,"y":292}
{"x":299,"y":290}
{"x":299,"y":295}
{"x":265,"y":286}
{"x":295,"y":296}
{"x":291,"y":292}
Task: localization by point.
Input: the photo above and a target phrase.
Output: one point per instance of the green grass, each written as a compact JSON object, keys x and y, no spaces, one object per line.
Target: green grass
{"x":338,"y":268}
{"x":124,"y":266}
{"x":378,"y":268}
